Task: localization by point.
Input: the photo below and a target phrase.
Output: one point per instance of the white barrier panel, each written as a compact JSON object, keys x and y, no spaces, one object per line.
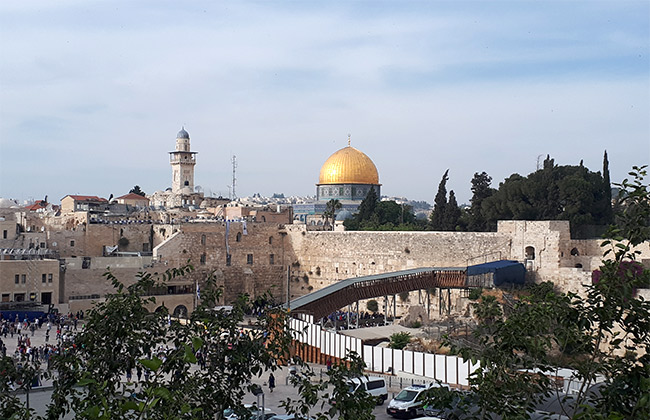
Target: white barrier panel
{"x":408,"y":361}
{"x":324,"y":342}
{"x":377,"y":359}
{"x":348,"y":345}
{"x":452,"y":373}
{"x":429,"y":363}
{"x":440,"y":368}
{"x":419,"y":363}
{"x":463,"y":372}
{"x":388,"y":360}
{"x":397,"y":361}
{"x":367,"y":356}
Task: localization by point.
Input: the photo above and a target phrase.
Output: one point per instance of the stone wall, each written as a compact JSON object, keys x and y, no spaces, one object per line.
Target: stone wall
{"x":327,"y":257}
{"x":257,"y":259}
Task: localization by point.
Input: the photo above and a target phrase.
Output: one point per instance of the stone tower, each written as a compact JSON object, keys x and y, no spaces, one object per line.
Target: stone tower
{"x":182,"y":161}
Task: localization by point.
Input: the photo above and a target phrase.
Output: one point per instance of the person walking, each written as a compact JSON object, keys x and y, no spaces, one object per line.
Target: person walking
{"x":271,"y":381}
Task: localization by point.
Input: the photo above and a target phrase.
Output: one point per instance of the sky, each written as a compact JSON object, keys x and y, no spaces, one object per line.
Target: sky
{"x":92,"y":93}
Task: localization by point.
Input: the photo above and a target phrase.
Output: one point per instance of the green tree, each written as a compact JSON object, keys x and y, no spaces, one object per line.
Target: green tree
{"x":372,"y":306}
{"x":452,"y":213}
{"x":368,"y":205}
{"x":480,"y":191}
{"x":602,"y":333}
{"x":399,"y":340}
{"x":137,"y":190}
{"x":437,"y":218}
{"x":331,"y":208}
{"x":554,"y":192}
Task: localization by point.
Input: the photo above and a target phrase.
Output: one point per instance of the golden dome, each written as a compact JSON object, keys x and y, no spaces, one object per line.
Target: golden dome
{"x":348,"y":166}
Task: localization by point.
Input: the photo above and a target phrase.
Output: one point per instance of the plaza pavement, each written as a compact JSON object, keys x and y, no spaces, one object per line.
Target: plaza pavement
{"x":40,"y":397}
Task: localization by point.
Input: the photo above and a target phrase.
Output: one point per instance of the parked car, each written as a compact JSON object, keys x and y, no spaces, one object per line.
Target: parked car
{"x":372,"y":385}
{"x":252,"y":413}
{"x":409,"y":403}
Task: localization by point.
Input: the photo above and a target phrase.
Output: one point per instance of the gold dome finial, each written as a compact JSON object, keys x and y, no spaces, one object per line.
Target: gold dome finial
{"x":349,"y":135}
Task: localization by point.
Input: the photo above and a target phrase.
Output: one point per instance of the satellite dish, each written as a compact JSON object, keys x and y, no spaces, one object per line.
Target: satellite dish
{"x":53,"y":243}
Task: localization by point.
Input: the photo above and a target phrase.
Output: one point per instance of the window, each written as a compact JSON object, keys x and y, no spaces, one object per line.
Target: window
{"x":228,"y":259}
{"x":44,"y":278}
{"x":6,"y":297}
{"x":19,"y":297}
{"x":270,"y":240}
{"x":202,"y":259}
{"x":271,"y":259}
{"x":49,"y":278}
{"x":42,"y":244}
{"x":4,"y":234}
{"x":46,"y":298}
{"x":23,"y":278}
{"x":72,"y":242}
{"x":17,"y":278}
{"x":202,"y":239}
{"x":249,"y":259}
{"x":238,"y":238}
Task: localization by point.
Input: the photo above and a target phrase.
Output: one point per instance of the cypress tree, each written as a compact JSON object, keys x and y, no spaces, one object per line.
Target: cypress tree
{"x":607,"y":192}
{"x":436,"y":221}
{"x":452,"y":213}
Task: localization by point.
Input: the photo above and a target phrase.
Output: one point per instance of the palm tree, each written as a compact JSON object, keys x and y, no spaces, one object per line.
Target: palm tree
{"x":330,"y":210}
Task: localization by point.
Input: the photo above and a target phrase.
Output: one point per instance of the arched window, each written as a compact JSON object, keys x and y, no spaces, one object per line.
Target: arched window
{"x":203,"y":259}
{"x":530,"y":253}
{"x":270,"y":240}
{"x":202,"y":239}
{"x":238,"y":238}
{"x":575,"y":252}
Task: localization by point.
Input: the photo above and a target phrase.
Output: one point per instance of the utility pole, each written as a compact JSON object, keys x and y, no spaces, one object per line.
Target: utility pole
{"x":234,"y":178}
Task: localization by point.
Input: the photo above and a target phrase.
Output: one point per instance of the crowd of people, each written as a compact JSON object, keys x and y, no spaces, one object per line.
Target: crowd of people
{"x":339,"y":319}
{"x":59,"y":329}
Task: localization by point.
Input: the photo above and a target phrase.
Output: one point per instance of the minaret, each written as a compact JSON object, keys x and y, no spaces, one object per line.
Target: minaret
{"x":182,"y":161}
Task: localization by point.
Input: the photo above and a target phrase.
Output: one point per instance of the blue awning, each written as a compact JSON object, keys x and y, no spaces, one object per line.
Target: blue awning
{"x":504,"y":271}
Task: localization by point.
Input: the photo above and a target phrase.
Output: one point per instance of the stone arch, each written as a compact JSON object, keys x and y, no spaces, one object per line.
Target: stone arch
{"x":578,"y":265}
{"x":575,"y":252}
{"x":530,"y":252}
{"x":160,"y":309}
{"x":180,"y":311}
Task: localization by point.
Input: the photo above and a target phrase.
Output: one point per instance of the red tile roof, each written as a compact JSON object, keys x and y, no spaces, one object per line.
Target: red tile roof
{"x":87,"y":198}
{"x":37,"y":205}
{"x":132,"y":196}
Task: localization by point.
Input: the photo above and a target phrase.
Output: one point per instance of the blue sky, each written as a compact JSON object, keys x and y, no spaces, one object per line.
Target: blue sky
{"x":92,"y":94}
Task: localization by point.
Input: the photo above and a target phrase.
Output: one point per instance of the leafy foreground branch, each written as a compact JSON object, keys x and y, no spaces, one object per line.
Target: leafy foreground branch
{"x":191,"y":370}
{"x":602,"y":336}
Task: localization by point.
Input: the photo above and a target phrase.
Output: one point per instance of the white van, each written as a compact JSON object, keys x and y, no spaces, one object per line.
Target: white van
{"x":409,"y":402}
{"x":372,"y":385}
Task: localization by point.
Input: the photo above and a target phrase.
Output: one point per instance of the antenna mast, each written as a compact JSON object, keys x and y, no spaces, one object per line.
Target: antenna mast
{"x":234,"y":178}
